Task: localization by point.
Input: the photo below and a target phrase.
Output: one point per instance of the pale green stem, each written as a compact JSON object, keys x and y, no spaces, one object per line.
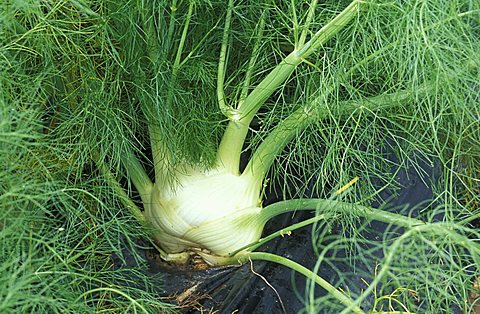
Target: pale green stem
{"x":334,"y":207}
{"x":153,"y":48}
{"x":234,"y":137}
{"x":124,"y":198}
{"x":327,"y":208}
{"x":226,"y":110}
{"x":282,"y":232}
{"x":294,"y":21}
{"x":198,"y":45}
{"x":253,"y":59}
{"x":263,"y":157}
{"x":136,"y":173}
{"x":310,"y":16}
{"x":328,"y":90}
{"x":154,"y":54}
{"x":281,"y":135}
{"x":332,"y":28}
{"x":231,"y":161}
{"x":171,"y":25}
{"x":309,"y":274}
{"x":413,"y":225}
{"x":178,"y":56}
{"x":85,"y":9}
{"x":161,"y":157}
{"x":281,"y":73}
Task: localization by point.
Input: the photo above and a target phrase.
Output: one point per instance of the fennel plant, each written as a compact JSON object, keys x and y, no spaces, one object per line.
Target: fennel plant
{"x":185,"y":114}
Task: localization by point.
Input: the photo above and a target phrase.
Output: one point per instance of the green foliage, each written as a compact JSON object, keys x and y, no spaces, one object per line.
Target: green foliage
{"x":88,"y":83}
{"x":60,"y":226}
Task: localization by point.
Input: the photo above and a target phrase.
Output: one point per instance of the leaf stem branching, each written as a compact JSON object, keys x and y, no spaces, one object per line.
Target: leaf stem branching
{"x":236,"y":131}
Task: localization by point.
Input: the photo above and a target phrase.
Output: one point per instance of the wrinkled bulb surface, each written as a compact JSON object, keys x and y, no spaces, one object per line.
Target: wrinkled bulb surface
{"x":217,"y":211}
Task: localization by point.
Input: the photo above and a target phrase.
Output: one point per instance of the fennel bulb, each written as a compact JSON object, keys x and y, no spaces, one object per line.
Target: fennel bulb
{"x":216,"y":211}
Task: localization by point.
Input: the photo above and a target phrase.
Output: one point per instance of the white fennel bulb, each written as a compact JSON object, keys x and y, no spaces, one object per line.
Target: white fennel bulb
{"x":217,"y":211}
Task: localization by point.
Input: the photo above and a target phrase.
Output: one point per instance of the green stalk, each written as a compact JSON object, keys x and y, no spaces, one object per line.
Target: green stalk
{"x":309,"y":274}
{"x":153,"y":53}
{"x":272,"y":146}
{"x":160,"y":154}
{"x":294,"y":21}
{"x":310,"y":16}
{"x":329,"y":30}
{"x":135,"y":172}
{"x":138,"y":176}
{"x":234,"y":137}
{"x":282,"y":232}
{"x":226,"y":110}
{"x":328,"y":208}
{"x":85,"y":9}
{"x":276,"y":141}
{"x":253,"y":59}
{"x":124,"y":198}
{"x":334,"y":206}
{"x":171,"y":26}
{"x":286,"y":67}
{"x":180,"y":47}
{"x":153,"y":48}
